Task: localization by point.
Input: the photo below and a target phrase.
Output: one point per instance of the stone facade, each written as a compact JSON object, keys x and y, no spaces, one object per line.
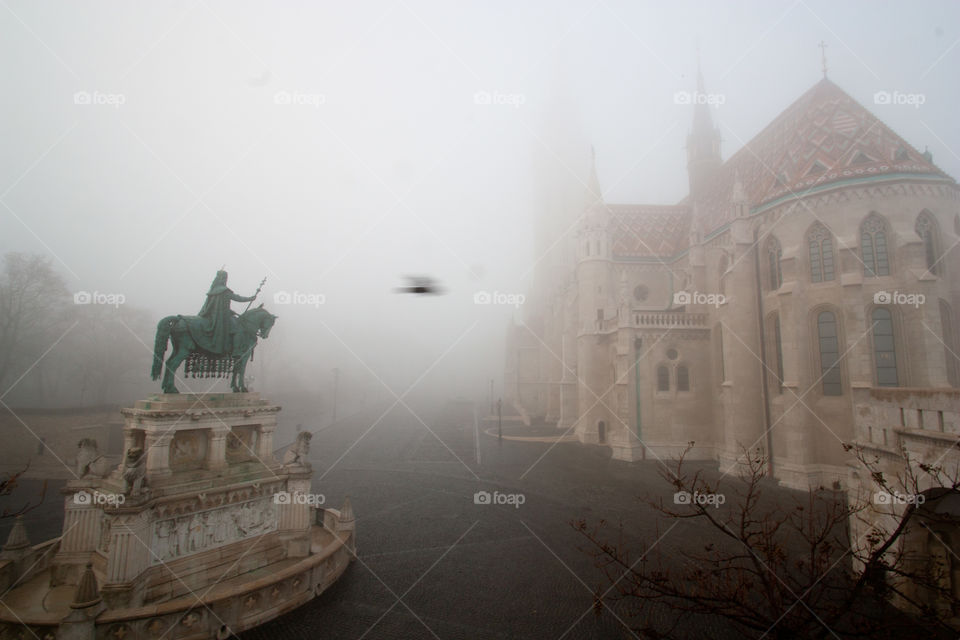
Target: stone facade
{"x":201,"y":532}
{"x":810,"y":267}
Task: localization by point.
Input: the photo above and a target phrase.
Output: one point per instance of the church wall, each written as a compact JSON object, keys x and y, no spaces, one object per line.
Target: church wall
{"x":806,"y":443}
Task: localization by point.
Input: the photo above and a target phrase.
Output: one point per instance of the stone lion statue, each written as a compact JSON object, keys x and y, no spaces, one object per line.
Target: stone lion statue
{"x":90,"y":462}
{"x":134,"y":471}
{"x":299,"y":453}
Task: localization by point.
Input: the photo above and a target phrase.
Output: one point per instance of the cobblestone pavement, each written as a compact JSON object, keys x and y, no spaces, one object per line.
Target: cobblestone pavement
{"x":432,"y":563}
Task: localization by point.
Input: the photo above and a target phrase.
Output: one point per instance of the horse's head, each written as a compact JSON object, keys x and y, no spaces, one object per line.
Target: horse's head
{"x":261,"y":319}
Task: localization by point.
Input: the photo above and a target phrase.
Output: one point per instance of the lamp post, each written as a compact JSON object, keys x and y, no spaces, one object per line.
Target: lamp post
{"x":336,"y":380}
{"x":637,"y":344}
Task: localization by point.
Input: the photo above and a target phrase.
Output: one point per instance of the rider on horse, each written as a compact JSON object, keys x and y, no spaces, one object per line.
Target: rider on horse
{"x":216,"y":342}
{"x":220,"y":326}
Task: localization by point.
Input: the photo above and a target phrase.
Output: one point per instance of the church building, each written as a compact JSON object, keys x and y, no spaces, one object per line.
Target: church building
{"x":802,"y":295}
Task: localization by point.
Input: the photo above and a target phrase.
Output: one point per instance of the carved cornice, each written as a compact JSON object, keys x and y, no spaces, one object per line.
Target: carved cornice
{"x":197,"y":414}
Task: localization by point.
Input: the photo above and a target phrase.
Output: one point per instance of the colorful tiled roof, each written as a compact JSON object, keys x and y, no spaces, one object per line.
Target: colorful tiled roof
{"x":823,"y":139}
{"x":645,"y":231}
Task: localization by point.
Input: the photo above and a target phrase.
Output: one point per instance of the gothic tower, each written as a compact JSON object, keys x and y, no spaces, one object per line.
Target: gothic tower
{"x":703,"y":142}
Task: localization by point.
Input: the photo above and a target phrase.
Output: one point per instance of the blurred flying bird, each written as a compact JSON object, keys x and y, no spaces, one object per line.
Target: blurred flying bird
{"x":421,"y":285}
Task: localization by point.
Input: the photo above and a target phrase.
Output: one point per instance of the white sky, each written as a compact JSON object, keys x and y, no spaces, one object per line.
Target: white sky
{"x":397,"y":170}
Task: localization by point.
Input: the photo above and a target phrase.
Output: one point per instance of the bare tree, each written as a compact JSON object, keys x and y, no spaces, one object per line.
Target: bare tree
{"x":32,"y":302}
{"x":775,"y":564}
{"x":9,"y":483}
{"x":105,"y":351}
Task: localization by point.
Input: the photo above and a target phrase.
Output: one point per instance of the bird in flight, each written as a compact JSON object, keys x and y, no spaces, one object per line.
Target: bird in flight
{"x":421,"y":285}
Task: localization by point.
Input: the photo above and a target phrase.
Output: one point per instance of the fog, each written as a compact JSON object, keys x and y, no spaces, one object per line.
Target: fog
{"x":337,"y":148}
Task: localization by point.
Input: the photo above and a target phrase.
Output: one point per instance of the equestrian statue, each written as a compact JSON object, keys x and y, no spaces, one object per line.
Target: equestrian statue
{"x":215,"y":343}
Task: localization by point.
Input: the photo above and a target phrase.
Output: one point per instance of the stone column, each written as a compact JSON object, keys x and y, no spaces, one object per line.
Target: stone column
{"x":265,"y":445}
{"x":129,"y":556}
{"x":217,"y":448}
{"x":294,"y":517}
{"x":81,"y":527}
{"x":158,"y":453}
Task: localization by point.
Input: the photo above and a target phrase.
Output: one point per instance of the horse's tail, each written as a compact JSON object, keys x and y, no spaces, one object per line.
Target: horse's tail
{"x":160,"y":345}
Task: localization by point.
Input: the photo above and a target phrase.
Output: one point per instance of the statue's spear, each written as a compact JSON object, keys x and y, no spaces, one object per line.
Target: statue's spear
{"x":256,"y":293}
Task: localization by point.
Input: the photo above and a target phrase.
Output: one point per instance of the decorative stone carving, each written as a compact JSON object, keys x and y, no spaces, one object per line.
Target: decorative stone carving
{"x":89,"y":460}
{"x":134,"y":472}
{"x":299,"y":453}
{"x":156,"y":627}
{"x":184,"y":535}
{"x":188,"y":450}
{"x":242,"y":444}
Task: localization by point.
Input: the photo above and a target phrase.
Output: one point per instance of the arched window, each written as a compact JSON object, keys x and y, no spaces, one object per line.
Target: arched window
{"x":663,"y":378}
{"x":774,"y":253}
{"x":873,"y":246}
{"x":927,"y":230}
{"x":683,"y":378}
{"x":828,"y":334}
{"x":821,"y":253}
{"x":884,"y":351}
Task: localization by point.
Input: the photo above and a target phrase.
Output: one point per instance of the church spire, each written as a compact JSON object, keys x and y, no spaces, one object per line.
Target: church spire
{"x":595,"y":194}
{"x":823,"y":57}
{"x":703,"y":142}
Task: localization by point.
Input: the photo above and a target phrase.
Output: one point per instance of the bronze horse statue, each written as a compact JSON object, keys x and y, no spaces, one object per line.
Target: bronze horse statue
{"x":180,"y":330}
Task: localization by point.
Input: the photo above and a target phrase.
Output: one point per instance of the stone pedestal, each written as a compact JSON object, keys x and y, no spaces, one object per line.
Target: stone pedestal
{"x":202,"y":479}
{"x":200,"y":533}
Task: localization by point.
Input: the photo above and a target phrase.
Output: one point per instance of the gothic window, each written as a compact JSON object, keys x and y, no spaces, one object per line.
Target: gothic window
{"x":774,"y":253}
{"x":829,"y":337}
{"x":884,"y":351}
{"x":683,"y":378}
{"x":927,"y":230}
{"x":663,"y":378}
{"x":821,"y":253}
{"x":873,"y":247}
